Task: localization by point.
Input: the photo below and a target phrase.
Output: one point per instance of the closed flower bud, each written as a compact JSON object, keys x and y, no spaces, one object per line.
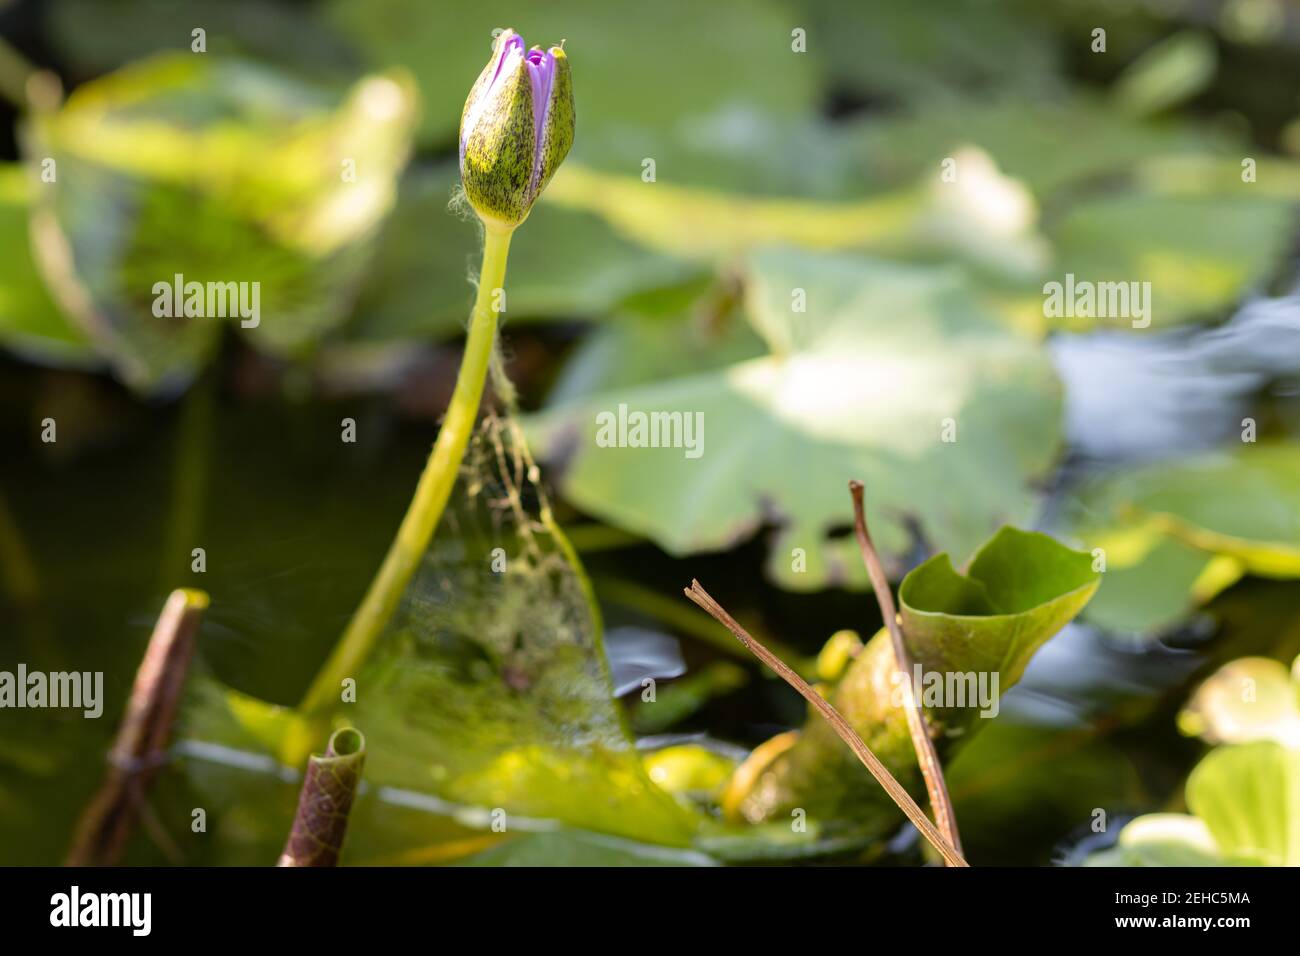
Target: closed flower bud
{"x":516,"y":129}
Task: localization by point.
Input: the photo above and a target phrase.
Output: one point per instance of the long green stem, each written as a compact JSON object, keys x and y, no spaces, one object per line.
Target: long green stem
{"x":431,"y":494}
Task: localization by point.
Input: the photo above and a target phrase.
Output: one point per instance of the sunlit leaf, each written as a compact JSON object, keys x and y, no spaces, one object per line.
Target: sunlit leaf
{"x":30,"y":322}
{"x":1174,"y":70}
{"x":1251,"y":698}
{"x":220,"y":172}
{"x":567,"y":264}
{"x":1199,"y":254}
{"x":862,"y":385}
{"x":489,"y":693}
{"x":1248,"y":795}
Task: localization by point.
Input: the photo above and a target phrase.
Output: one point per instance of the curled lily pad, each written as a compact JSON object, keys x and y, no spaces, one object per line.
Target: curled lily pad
{"x":972,"y":632}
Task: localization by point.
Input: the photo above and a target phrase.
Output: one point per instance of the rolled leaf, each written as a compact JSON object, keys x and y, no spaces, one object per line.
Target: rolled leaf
{"x":326,"y":799}
{"x":1022,"y":587}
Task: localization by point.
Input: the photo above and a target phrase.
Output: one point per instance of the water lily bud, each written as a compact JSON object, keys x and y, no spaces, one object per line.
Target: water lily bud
{"x":516,"y":129}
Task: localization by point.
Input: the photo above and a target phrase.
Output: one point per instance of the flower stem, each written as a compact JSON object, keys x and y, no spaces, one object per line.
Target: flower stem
{"x":431,"y":494}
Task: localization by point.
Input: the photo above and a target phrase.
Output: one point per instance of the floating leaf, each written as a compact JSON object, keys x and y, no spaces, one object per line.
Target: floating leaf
{"x":1245,"y":802}
{"x":1155,"y":593}
{"x":1200,"y":254}
{"x":1174,"y":70}
{"x":1161,"y":524}
{"x":1248,"y":795}
{"x":736,"y":51}
{"x":253,"y":187}
{"x":862,"y":385}
{"x":1057,"y":143}
{"x":903,"y":49}
{"x":569,"y":264}
{"x":30,"y":322}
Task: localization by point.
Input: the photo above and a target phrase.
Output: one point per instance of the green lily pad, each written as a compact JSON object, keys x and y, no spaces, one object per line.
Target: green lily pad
{"x":101,"y":35}
{"x":30,"y":322}
{"x":1176,"y":532}
{"x":1200,"y":254}
{"x":1248,"y":795}
{"x":735,"y":51}
{"x":1245,"y":803}
{"x":1155,"y":593}
{"x":1052,"y":142}
{"x":862,"y":385}
{"x":901,"y":49}
{"x":218,"y":171}
{"x":565,"y":264}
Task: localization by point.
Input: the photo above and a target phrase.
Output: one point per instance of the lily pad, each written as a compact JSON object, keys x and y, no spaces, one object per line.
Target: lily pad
{"x":1249,"y":797}
{"x":1200,"y":254}
{"x":734,"y":51}
{"x":1188,"y":527}
{"x":1245,"y":803}
{"x":30,"y":322}
{"x":902,"y":49}
{"x":268,"y":181}
{"x":886,"y":361}
{"x":568,"y":264}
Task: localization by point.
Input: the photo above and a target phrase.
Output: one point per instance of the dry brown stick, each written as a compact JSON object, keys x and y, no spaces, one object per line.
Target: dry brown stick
{"x":951,"y":855}
{"x":142,"y":738}
{"x":926,"y":756}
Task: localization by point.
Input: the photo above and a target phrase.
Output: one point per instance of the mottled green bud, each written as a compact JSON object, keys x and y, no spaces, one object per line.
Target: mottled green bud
{"x":516,"y":129}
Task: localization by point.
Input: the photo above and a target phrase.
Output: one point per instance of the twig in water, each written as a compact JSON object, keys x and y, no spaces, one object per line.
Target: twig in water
{"x":926,"y":756}
{"x":142,"y":738}
{"x":951,"y":855}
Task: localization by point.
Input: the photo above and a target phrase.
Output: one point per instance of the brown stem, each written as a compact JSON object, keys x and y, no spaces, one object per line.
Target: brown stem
{"x":926,"y":756}
{"x":951,"y":855}
{"x":143,"y":736}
